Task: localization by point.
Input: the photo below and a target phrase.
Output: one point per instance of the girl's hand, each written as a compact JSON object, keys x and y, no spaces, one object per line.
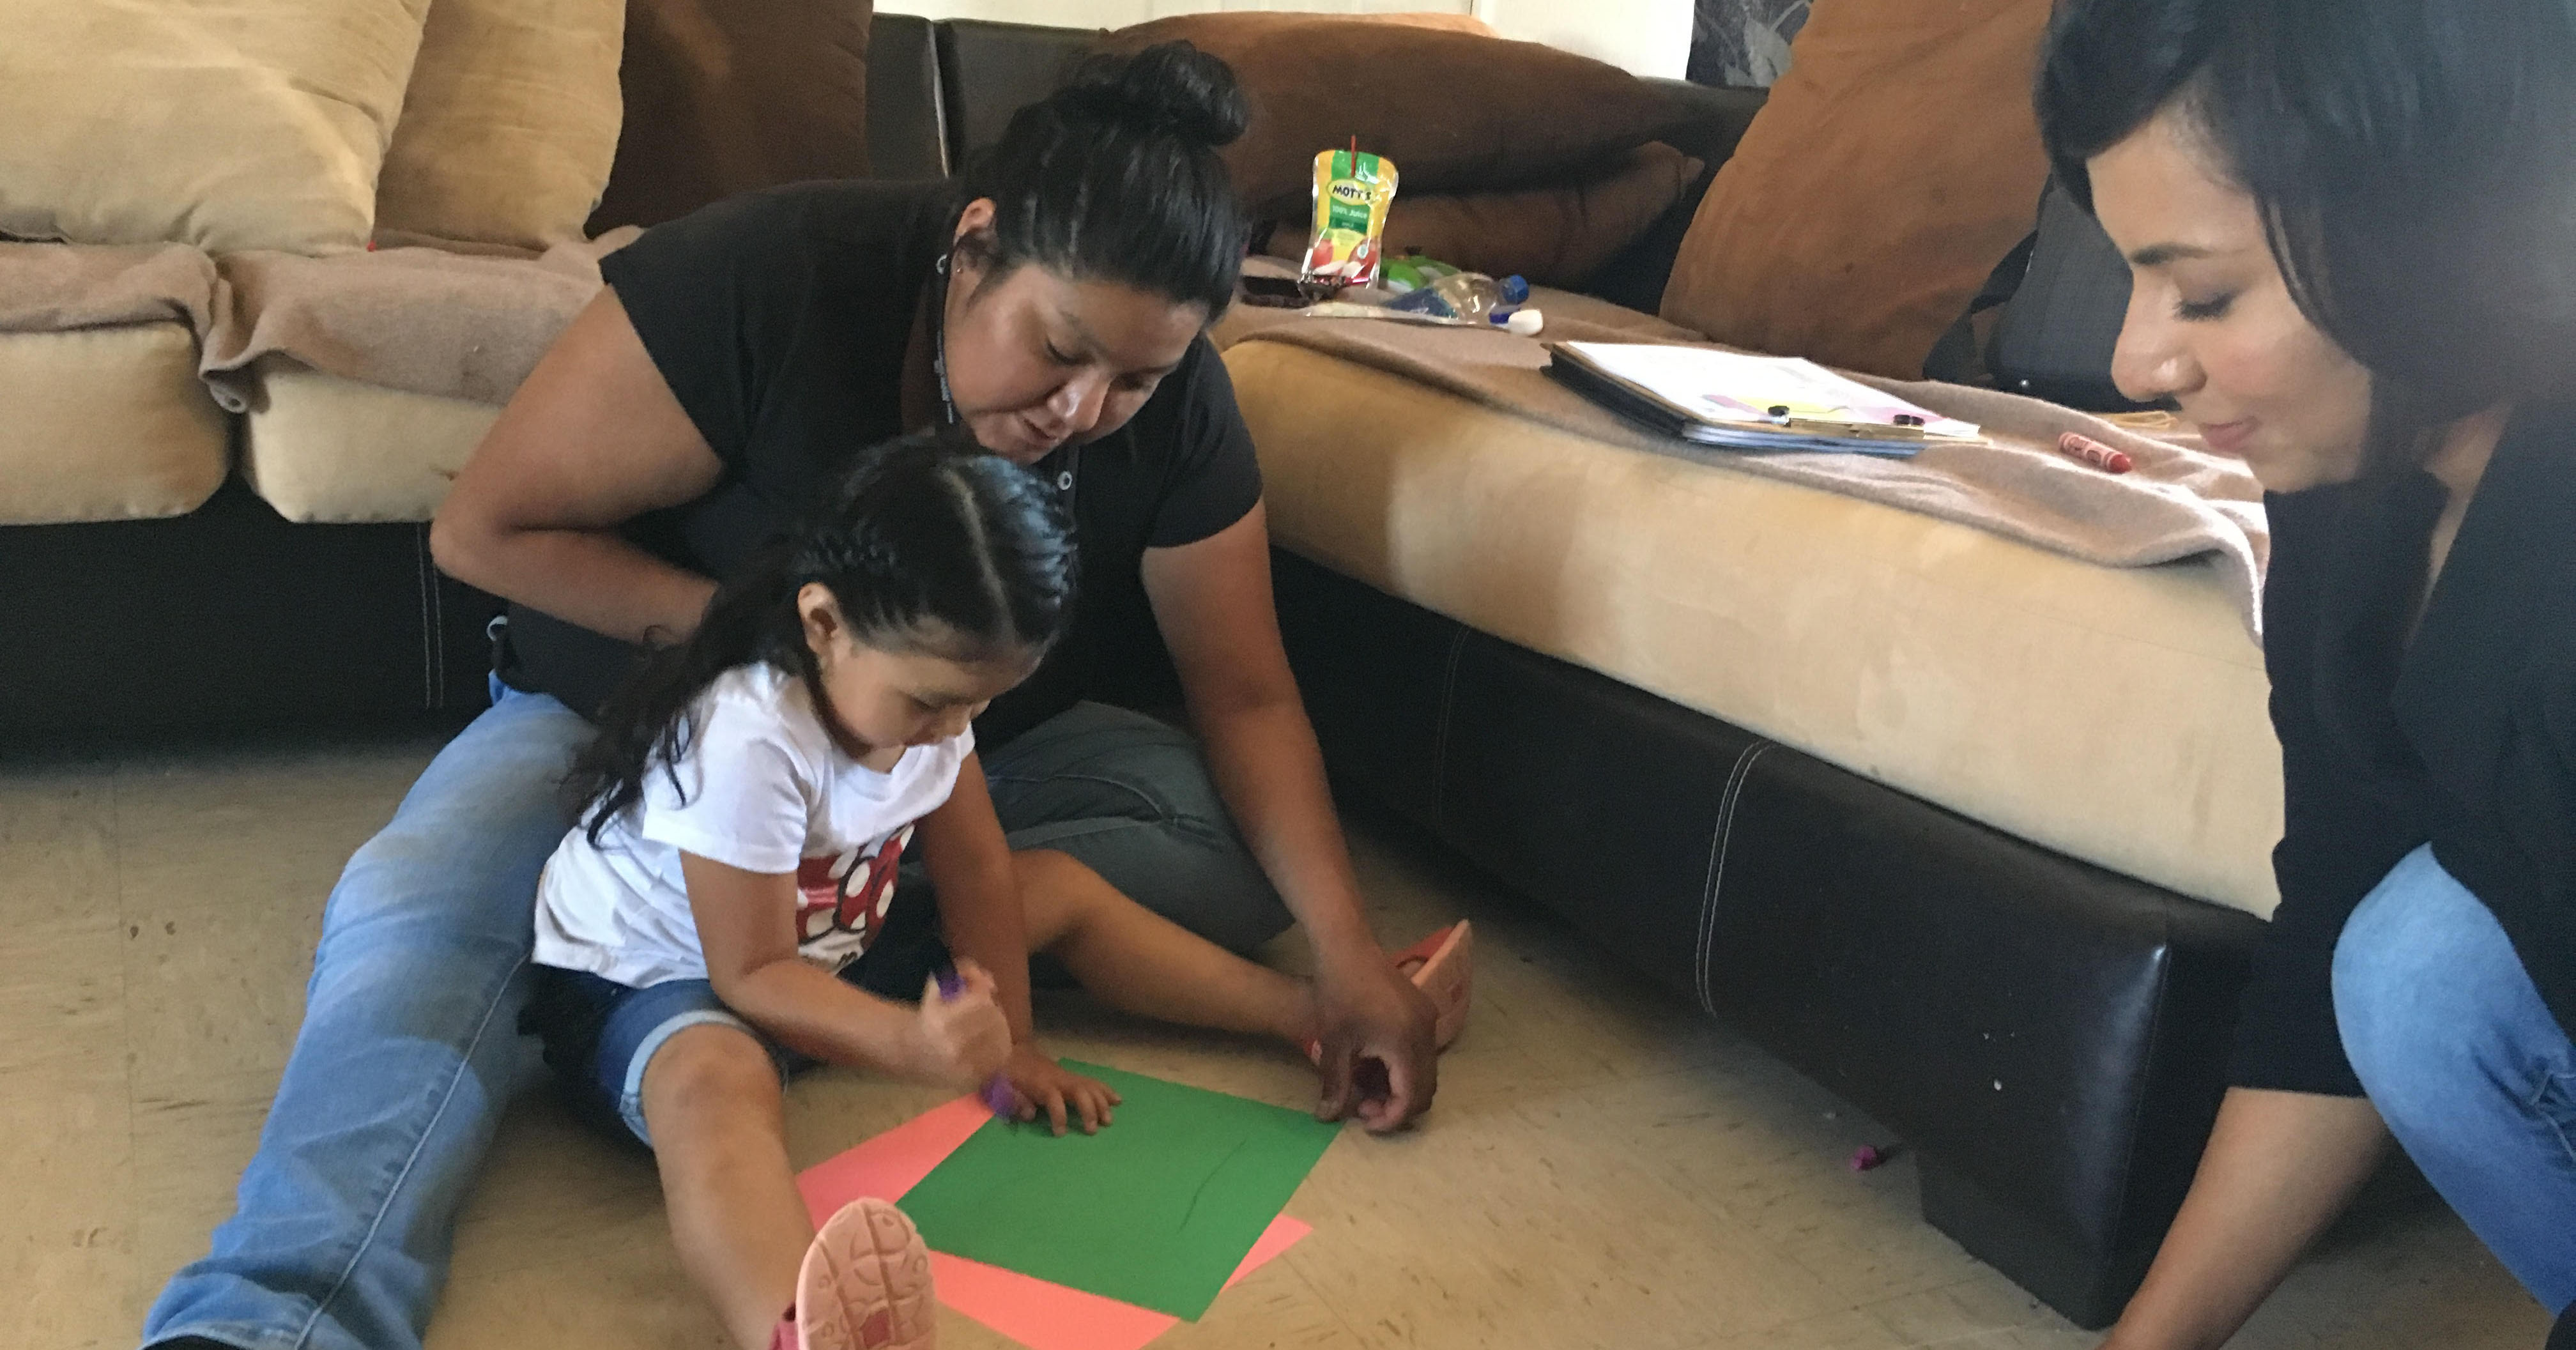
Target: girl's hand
{"x":960,"y":1041}
{"x":1045,"y":1085}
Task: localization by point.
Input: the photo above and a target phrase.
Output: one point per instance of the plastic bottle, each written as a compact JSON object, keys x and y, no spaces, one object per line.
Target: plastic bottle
{"x":1466,"y":295}
{"x":1412,"y":272}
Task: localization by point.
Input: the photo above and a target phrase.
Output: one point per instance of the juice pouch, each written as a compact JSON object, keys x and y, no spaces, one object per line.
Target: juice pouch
{"x":1352,"y":191}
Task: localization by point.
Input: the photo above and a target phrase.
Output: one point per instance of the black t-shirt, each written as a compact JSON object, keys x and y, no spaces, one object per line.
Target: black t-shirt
{"x":780,"y":320}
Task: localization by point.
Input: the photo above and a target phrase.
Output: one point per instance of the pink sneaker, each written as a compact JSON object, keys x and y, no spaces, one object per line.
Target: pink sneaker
{"x":1443,"y":967}
{"x":865,"y":1285}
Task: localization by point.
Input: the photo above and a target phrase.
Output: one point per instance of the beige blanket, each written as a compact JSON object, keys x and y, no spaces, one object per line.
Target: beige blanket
{"x":2180,"y":501}
{"x":55,"y":288}
{"x":426,"y":320}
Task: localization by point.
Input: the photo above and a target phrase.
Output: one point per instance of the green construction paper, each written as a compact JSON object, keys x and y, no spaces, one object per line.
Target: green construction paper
{"x":1156,"y":1210}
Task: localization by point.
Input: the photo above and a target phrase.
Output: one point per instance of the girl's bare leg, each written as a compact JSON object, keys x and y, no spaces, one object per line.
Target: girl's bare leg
{"x":713,"y":1104}
{"x":1137,"y":961}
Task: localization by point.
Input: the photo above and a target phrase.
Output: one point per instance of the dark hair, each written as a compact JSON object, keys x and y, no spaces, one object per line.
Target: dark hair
{"x":2413,"y":163}
{"x":1115,"y":177}
{"x":930,"y":543}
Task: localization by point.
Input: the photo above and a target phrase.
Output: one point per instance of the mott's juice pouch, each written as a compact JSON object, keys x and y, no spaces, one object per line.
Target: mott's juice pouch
{"x":1352,"y":191}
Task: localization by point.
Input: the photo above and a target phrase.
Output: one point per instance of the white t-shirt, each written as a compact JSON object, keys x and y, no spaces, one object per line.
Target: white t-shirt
{"x":763,"y":788}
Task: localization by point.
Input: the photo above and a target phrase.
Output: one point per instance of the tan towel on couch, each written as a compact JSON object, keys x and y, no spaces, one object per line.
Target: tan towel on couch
{"x":2180,"y":502}
{"x":54,"y":288}
{"x":426,"y":320}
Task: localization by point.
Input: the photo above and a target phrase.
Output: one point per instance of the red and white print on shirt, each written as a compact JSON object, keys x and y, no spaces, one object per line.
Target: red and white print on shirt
{"x":841,"y":902}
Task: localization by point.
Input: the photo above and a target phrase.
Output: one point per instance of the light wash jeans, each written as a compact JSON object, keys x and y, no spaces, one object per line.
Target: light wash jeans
{"x":409,"y":1050}
{"x":410,"y":1046}
{"x":2466,"y":1064}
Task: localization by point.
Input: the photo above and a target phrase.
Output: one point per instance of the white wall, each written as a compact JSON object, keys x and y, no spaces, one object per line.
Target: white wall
{"x":1650,"y":37}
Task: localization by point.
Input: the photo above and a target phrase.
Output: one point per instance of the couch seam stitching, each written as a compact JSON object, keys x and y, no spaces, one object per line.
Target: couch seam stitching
{"x":1717,"y":868}
{"x":1440,"y":742}
{"x":430,"y":665}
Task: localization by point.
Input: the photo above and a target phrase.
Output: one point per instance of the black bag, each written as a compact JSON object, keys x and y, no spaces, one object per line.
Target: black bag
{"x":2060,"y":297}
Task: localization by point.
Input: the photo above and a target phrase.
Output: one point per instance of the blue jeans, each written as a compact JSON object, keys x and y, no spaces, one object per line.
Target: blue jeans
{"x":1130,"y":798}
{"x":2472,"y":1073}
{"x":409,"y":1048}
{"x":408,"y":1052}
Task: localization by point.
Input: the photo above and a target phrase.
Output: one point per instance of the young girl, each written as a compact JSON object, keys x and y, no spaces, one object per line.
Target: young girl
{"x":729,"y":900}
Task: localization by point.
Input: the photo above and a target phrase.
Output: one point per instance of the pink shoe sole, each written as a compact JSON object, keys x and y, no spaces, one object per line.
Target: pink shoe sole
{"x":866,"y":1284}
{"x":1446,"y":974}
{"x":1443,"y":967}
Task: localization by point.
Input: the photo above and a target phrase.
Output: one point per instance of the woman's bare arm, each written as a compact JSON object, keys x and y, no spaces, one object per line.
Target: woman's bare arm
{"x":593,"y":439}
{"x":2278,"y":1169}
{"x":1212,"y":601}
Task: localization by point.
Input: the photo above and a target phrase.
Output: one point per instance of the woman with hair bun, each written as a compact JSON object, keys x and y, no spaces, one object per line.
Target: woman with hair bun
{"x":1053,"y":303}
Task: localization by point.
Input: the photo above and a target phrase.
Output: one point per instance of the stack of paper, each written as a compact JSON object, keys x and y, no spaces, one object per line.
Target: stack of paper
{"x":1746,"y":402}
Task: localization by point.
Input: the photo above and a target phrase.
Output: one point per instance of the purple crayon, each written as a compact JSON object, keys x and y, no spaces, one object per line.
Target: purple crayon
{"x":997,"y":1094}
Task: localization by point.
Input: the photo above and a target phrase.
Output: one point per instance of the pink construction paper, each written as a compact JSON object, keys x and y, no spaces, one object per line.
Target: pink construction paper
{"x":1039,"y":1314}
{"x":1043,"y":1315}
{"x":893,"y":1162}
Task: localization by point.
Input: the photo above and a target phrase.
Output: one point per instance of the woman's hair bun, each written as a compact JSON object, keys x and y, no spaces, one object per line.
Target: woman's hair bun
{"x":1168,"y":87}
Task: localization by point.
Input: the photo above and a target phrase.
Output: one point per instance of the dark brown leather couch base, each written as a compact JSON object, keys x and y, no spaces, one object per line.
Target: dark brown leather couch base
{"x":229,"y":616}
{"x":2050,"y":1037}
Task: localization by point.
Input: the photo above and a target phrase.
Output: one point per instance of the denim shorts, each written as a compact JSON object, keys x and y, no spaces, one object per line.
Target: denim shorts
{"x":601,"y":1035}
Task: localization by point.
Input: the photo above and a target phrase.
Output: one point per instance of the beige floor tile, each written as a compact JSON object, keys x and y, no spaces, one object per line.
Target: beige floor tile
{"x":553,"y":1192}
{"x":625,"y":1297}
{"x":2412,"y":1275}
{"x":1770,"y":1152}
{"x":67,"y":1225}
{"x":1983,"y":1304}
{"x":1490,"y":1228}
{"x":67,"y":1202}
{"x":189,"y":1150}
{"x":62,"y":974}
{"x":1605,"y":1168}
{"x":224,"y":870}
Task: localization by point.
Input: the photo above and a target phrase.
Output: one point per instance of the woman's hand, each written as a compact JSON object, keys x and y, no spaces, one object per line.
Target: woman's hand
{"x":1063,"y":1095}
{"x":962,"y":1040}
{"x":1368,"y":1013}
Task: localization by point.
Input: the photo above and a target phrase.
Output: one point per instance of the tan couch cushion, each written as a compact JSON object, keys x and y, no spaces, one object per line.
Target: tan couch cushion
{"x":1454,"y":109}
{"x":2116,"y":715}
{"x":106,"y":424}
{"x":509,"y":125}
{"x":323,"y":449}
{"x":1893,"y":166}
{"x":246,"y":124}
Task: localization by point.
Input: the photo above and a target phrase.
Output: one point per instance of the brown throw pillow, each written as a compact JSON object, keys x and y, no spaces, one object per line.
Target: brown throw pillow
{"x":1555,"y":236}
{"x":509,"y":125}
{"x":724,"y":96}
{"x":1456,"y":110}
{"x":1894,"y":165}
